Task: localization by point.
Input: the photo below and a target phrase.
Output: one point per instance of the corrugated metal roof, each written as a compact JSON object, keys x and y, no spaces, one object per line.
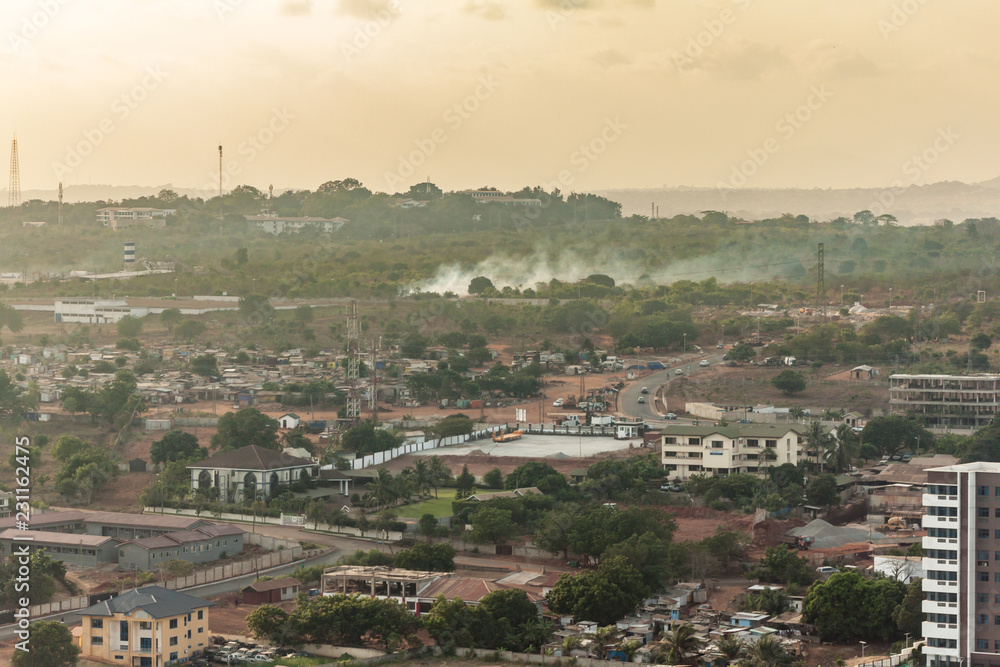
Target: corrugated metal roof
{"x":156,"y":601}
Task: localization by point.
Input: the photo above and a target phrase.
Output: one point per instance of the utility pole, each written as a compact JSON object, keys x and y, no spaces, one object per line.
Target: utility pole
{"x":353,"y":364}
{"x":220,"y":181}
{"x":820,"y":279}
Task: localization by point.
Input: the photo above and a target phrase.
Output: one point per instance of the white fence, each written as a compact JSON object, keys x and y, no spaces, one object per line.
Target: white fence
{"x":413,"y":447}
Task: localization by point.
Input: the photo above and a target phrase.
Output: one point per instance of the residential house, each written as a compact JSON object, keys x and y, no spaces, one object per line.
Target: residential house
{"x":275,"y":224}
{"x":687,"y":450}
{"x":289,"y":420}
{"x":71,"y":548}
{"x":273,"y":591}
{"x":198,"y":545}
{"x":118,"y":218}
{"x":150,"y":626}
{"x":249,"y":470}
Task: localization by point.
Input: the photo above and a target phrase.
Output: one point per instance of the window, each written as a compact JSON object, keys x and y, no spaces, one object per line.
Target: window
{"x":982,"y":576}
{"x":996,"y":619}
{"x":949,"y":533}
{"x":201,"y":612}
{"x":996,"y":577}
{"x":694,"y":441}
{"x":983,"y":512}
{"x":982,"y":598}
{"x":145,"y":644}
{"x":97,"y":622}
{"x":983,"y":534}
{"x":982,"y":490}
{"x":173,"y":655}
{"x":982,"y":619}
{"x":951,"y":511}
{"x":201,"y":630}
{"x":123,"y":631}
{"x":996,"y":512}
{"x":982,"y":554}
{"x":173,"y":641}
{"x":96,"y":641}
{"x":145,"y":625}
{"x":173,"y":623}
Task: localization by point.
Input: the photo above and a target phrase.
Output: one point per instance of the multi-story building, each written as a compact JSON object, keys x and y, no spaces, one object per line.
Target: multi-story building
{"x":275,"y":224}
{"x":962,"y":565}
{"x":946,"y":402}
{"x":122,"y":217}
{"x":249,"y":470}
{"x":150,"y":626}
{"x":687,"y":450}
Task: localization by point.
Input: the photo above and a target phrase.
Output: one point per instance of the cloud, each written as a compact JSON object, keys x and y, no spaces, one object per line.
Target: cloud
{"x":486,"y":9}
{"x":296,"y":7}
{"x":366,"y":9}
{"x":608,"y":57}
{"x":738,"y":60}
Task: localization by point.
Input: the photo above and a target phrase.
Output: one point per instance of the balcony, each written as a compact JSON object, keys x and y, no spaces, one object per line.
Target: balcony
{"x":933,"y":500}
{"x":940,"y":521}
{"x":940,"y":586}
{"x":938,"y":542}
{"x":934,"y":607}
{"x":940,"y":630}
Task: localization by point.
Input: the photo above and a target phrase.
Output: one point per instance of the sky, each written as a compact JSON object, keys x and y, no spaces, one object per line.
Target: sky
{"x":575,"y":94}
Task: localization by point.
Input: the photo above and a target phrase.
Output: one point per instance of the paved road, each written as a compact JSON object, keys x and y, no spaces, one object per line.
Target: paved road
{"x":628,"y":399}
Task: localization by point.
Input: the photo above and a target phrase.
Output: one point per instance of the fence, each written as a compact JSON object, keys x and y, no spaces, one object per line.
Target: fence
{"x":276,"y":521}
{"x":414,"y":447}
{"x":195,"y":421}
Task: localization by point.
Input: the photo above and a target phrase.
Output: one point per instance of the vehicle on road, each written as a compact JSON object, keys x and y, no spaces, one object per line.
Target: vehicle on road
{"x":645,"y":390}
{"x":719,"y":346}
{"x":557,"y":403}
{"x":670,"y":415}
{"x":642,"y":399}
{"x":703,"y":362}
{"x":679,"y":371}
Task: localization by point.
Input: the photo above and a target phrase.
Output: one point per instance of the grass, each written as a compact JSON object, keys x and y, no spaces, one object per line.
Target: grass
{"x":439,"y":507}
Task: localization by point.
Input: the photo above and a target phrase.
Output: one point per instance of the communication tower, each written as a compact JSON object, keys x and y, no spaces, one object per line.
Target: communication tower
{"x":14,"y":189}
{"x":353,"y":363}
{"x":60,"y":202}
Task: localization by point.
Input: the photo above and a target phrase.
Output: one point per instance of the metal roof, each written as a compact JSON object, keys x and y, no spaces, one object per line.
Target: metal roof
{"x":156,"y":601}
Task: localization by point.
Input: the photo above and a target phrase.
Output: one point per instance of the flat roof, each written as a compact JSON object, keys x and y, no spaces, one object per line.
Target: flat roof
{"x":367,"y":572}
{"x":62,"y":539}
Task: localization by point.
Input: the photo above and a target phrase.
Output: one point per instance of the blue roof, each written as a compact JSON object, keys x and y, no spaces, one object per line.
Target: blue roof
{"x":157,"y":601}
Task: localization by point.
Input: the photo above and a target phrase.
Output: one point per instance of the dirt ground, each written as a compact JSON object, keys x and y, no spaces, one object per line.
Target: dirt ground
{"x":751,"y":385}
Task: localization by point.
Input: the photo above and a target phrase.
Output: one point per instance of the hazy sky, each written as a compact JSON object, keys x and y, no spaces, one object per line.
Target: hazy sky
{"x":817,"y":93}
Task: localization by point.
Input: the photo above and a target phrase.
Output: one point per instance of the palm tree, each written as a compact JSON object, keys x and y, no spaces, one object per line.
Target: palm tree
{"x":842,"y":449}
{"x":536,"y":632}
{"x":730,"y":647}
{"x":439,"y":473}
{"x":767,"y":455}
{"x":569,"y":645}
{"x":602,"y":638}
{"x":767,"y":652}
{"x":337,"y":517}
{"x":680,"y":644}
{"x":422,"y":476}
{"x":818,"y":438}
{"x":629,"y":647}
{"x":381,"y":489}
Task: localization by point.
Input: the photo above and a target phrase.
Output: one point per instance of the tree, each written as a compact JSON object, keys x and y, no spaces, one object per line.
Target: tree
{"x":481,"y":284}
{"x":268,"y":622}
{"x":427,"y":557}
{"x":742,"y":352}
{"x":176,"y":446}
{"x":453,"y":425}
{"x":842,"y":449}
{"x":68,"y":445}
{"x":819,"y":440}
{"x":51,"y":644}
{"x":204,"y":365}
{"x":980,"y":341}
{"x":366,"y":439}
{"x":464,"y":483}
{"x":848,"y":608}
{"x":189,"y":330}
{"x":604,"y":595}
{"x":767,"y":651}
{"x":170,"y":317}
{"x":493,"y":479}
{"x":511,"y":605}
{"x":789,"y":382}
{"x":119,"y":400}
{"x":246,"y":427}
{"x":680,"y":644}
{"x":892,"y":433}
{"x":730,"y":647}
{"x":439,"y":472}
{"x":10,"y":318}
{"x":129,"y":327}
{"x":909,"y":615}
{"x":381,"y":490}
{"x":491,"y":524}
{"x":531,"y":473}
{"x":822,"y":491}
{"x":782,"y":565}
{"x":316,"y":512}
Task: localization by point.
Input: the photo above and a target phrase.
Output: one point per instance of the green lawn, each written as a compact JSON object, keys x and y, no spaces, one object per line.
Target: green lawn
{"x":439,"y":507}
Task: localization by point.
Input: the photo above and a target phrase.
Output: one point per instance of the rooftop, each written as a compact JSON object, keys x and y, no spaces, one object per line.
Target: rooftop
{"x":734,"y":430}
{"x":156,"y":601}
{"x":252,"y":457}
{"x":62,"y":539}
{"x":273,"y":584}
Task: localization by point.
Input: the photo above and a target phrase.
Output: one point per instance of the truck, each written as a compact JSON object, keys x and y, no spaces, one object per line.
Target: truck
{"x":896,"y":523}
{"x":603,"y":420}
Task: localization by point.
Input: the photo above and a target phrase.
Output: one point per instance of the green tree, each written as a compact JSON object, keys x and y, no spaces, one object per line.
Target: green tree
{"x":842,"y":449}
{"x":742,"y":352}
{"x":366,"y":439}
{"x":893,"y":433}
{"x":481,"y":285}
{"x":909,"y":615}
{"x":604,"y":595}
{"x":848,"y":608}
{"x":176,"y":446}
{"x":170,"y":317}
{"x":491,"y":524}
{"x":204,"y":365}
{"x":316,"y":512}
{"x":782,"y":565}
{"x":464,"y":483}
{"x":452,"y":425}
{"x":10,"y":318}
{"x":189,"y":330}
{"x":245,"y":427}
{"x":427,"y":557}
{"x":68,"y":445}
{"x":381,"y":489}
{"x":51,"y":644}
{"x":980,"y":341}
{"x":767,"y":651}
{"x":789,"y":382}
{"x":822,"y":491}
{"x":493,"y":479}
{"x":680,"y":644}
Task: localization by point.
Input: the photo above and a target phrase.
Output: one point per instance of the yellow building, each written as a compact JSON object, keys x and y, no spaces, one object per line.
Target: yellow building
{"x":150,"y":626}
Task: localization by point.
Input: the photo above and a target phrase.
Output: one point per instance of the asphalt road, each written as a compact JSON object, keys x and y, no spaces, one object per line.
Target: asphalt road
{"x":628,"y":399}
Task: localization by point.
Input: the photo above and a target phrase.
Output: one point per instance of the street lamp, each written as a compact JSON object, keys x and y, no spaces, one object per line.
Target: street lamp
{"x":863,"y":649}
{"x":685,"y":343}
{"x":841,"y":296}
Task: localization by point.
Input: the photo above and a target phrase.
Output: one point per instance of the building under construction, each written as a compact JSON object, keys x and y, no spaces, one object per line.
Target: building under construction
{"x":946,"y":403}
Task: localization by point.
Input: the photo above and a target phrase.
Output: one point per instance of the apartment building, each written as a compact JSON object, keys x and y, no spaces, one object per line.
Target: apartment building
{"x":275,"y":224}
{"x":118,"y":218}
{"x":946,"y":403}
{"x":687,"y":450}
{"x":962,"y":566}
{"x":150,"y":626}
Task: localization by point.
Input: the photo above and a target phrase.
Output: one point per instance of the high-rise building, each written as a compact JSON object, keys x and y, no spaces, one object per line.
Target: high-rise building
{"x":962,"y":563}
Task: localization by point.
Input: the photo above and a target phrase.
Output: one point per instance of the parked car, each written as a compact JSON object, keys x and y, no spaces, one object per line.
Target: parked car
{"x":670,"y":415}
{"x":679,"y":372}
{"x":645,"y":390}
{"x":703,"y":362}
{"x":557,"y":403}
{"x":718,"y":346}
{"x":642,"y":399}
{"x":826,"y":569}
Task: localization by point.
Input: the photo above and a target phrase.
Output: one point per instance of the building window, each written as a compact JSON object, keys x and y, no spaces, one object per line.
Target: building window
{"x":173,"y":641}
{"x":982,"y":644}
{"x":145,"y":644}
{"x":96,"y":641}
{"x":983,"y":533}
{"x":201,"y":614}
{"x":123,"y":631}
{"x":173,"y":655}
{"x":97,"y":622}
{"x":201,"y":630}
{"x":982,"y":619}
{"x":982,"y":576}
{"x":173,"y":623}
{"x":982,"y":554}
{"x":983,"y":512}
{"x":982,"y":598}
{"x":982,"y":490}
{"x":145,"y":625}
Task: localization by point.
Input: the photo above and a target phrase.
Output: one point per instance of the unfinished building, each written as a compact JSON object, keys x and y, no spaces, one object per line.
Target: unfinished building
{"x":946,"y":403}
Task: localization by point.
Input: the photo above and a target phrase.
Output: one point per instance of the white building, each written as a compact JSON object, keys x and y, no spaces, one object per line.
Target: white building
{"x":95,"y":311}
{"x":275,"y":224}
{"x":946,"y":403}
{"x":900,"y":568}
{"x":122,"y":218}
{"x":721,"y":450}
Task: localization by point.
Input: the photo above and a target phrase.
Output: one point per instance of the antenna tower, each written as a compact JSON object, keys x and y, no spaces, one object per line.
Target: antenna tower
{"x":820,"y":285}
{"x":60,"y":203}
{"x":353,"y":363}
{"x":14,"y":189}
{"x":373,"y":383}
{"x":220,"y":181}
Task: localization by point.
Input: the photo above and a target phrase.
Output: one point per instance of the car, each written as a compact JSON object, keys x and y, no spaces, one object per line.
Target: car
{"x":645,"y":390}
{"x":703,"y":362}
{"x":670,"y":415}
{"x":642,"y":399}
{"x":679,"y":371}
{"x":826,"y":569}
{"x":557,"y":403}
{"x":719,"y":346}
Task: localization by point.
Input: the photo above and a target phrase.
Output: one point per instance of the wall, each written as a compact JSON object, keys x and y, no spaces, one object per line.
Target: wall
{"x":195,"y":421}
{"x":276,"y":521}
{"x":412,"y":447}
